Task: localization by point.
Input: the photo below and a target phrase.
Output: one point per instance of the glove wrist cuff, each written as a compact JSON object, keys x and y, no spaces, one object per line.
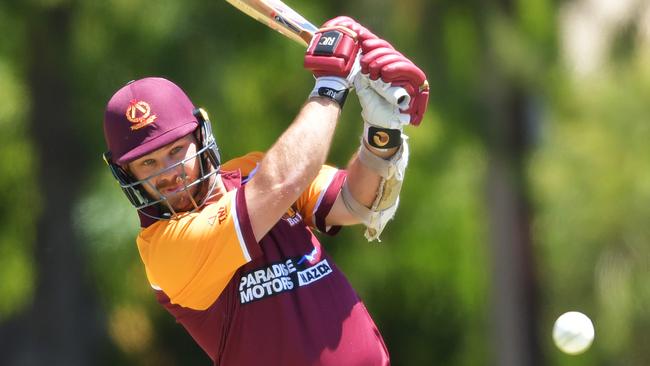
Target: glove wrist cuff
{"x":382,"y":138}
{"x":332,"y":87}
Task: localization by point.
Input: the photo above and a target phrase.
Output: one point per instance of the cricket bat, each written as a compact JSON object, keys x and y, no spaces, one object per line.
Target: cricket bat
{"x":277,"y":15}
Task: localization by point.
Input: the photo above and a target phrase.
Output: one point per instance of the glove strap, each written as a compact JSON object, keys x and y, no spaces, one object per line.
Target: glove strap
{"x":382,"y":138}
{"x":331,"y":87}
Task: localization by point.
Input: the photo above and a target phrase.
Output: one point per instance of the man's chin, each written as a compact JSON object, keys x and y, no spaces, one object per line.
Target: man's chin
{"x":181,"y":203}
{"x":184,"y":206}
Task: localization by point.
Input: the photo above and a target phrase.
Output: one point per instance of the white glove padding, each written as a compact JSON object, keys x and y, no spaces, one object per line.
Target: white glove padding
{"x":377,"y":110}
{"x":395,"y":95}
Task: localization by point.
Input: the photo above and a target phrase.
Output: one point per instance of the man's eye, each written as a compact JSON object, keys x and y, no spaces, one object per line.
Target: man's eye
{"x":176,"y":150}
{"x":148,"y":162}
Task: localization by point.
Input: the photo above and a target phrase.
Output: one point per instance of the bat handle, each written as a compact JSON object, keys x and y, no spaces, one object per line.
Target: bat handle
{"x":395,"y":95}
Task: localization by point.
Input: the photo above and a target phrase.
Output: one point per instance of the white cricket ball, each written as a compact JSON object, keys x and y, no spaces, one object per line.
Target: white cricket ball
{"x":573,"y":332}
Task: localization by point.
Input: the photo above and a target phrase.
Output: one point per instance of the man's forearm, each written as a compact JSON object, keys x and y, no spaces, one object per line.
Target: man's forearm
{"x":370,"y":194}
{"x":364,"y":182}
{"x":291,"y":164}
{"x":296,"y":158}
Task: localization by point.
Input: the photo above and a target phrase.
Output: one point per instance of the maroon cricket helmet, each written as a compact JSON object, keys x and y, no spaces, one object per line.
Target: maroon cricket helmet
{"x":145,"y":115}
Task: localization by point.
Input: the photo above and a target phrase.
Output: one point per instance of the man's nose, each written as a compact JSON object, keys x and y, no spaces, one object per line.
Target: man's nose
{"x":174,"y":173}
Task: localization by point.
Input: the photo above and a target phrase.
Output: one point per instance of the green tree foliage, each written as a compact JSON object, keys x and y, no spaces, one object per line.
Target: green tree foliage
{"x":17,"y":186}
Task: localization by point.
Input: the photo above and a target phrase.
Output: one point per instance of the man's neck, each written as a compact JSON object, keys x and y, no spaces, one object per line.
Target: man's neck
{"x":218,"y":191}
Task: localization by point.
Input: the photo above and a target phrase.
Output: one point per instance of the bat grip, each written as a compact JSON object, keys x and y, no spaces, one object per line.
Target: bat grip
{"x":395,"y":95}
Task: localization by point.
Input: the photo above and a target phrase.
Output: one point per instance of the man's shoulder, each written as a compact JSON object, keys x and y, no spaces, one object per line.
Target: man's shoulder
{"x":245,"y":163}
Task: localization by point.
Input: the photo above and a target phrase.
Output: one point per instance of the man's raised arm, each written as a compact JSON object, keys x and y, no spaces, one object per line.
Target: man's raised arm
{"x":370,"y":194}
{"x":298,"y":155}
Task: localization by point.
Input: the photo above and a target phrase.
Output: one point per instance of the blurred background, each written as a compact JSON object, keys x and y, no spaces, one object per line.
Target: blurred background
{"x":527,"y":193}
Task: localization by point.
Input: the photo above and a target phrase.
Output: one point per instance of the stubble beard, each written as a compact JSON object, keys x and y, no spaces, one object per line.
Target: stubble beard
{"x":182,"y":201}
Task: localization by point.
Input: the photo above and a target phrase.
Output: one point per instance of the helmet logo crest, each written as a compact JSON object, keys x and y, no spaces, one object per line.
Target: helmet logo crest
{"x":139,"y":113}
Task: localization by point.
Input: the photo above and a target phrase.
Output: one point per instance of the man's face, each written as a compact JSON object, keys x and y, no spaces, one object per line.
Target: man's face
{"x":171,"y":183}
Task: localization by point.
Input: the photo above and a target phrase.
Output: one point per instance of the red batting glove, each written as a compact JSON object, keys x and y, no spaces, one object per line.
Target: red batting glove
{"x":332,"y":52}
{"x":332,"y":57}
{"x":335,"y":46}
{"x":380,"y":61}
{"x":362,"y":32}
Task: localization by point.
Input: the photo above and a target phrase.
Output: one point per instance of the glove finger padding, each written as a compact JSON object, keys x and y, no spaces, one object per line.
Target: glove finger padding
{"x":405,"y":74}
{"x":375,"y":68}
{"x":400,"y":70}
{"x":362,"y":32}
{"x":419,"y":106}
{"x":368,"y":45}
{"x":387,"y":67}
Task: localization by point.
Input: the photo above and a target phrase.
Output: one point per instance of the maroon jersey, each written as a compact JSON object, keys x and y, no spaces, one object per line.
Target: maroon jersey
{"x":281,"y":301}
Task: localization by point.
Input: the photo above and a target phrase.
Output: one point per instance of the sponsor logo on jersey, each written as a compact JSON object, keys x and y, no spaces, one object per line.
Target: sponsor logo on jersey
{"x":311,"y":258}
{"x":292,"y":217}
{"x":315,"y":273}
{"x":222,"y":215}
{"x":278,"y":278}
{"x":139,"y":113}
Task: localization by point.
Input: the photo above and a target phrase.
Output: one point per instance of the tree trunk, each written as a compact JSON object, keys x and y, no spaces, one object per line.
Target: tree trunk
{"x":514,"y":285}
{"x":62,"y":326}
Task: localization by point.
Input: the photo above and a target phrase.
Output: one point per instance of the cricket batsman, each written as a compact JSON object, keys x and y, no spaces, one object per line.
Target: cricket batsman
{"x":228,"y":247}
